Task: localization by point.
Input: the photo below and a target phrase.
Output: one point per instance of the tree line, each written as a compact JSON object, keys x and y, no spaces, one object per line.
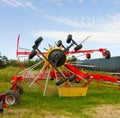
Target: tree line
{"x":4,"y":62}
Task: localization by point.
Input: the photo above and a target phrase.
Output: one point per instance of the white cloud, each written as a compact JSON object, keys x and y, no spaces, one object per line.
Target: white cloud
{"x":112,"y":23}
{"x":109,"y":24}
{"x":73,"y":23}
{"x":18,"y":3}
{"x":103,"y":37}
{"x":10,"y":2}
{"x":108,"y":40}
{"x":31,"y":6}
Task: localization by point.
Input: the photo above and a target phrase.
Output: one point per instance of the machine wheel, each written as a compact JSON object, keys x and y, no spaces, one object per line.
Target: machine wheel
{"x":77,"y":81}
{"x":12,"y":97}
{"x":61,"y":81}
{"x":72,"y":77}
{"x":59,"y":43}
{"x":1,"y":105}
{"x":20,"y":89}
{"x":78,"y":47}
{"x":69,"y":38}
{"x":38,"y":40}
{"x":32,"y":54}
{"x":107,"y":54}
{"x":88,"y":55}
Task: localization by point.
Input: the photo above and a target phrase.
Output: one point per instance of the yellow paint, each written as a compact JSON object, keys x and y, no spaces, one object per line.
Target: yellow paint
{"x":72,"y":91}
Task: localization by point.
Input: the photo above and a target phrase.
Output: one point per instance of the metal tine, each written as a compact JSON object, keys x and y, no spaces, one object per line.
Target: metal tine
{"x":74,"y":73}
{"x":32,"y":67}
{"x":24,"y":49}
{"x":37,"y":75}
{"x":86,"y":39}
{"x":65,"y":77}
{"x":46,"y":82}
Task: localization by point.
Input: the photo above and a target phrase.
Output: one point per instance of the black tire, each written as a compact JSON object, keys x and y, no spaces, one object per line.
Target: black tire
{"x":78,"y":47}
{"x":107,"y":54}
{"x":1,"y":105}
{"x":38,"y":41}
{"x":34,"y":47}
{"x":20,"y":89}
{"x":69,"y":38}
{"x":12,"y":97}
{"x":77,"y":81}
{"x":61,"y":81}
{"x":32,"y":54}
{"x":59,"y":43}
{"x":72,"y":77}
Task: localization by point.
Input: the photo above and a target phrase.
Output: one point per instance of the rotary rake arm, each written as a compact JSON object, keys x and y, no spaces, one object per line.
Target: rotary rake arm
{"x":56,"y":58}
{"x":70,"y":39}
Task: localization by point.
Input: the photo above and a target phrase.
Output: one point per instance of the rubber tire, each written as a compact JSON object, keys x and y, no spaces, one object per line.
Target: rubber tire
{"x":61,"y":81}
{"x":1,"y":105}
{"x":72,"y":77}
{"x":69,"y":38}
{"x":32,"y":54}
{"x":59,"y":43}
{"x":76,"y":81}
{"x":78,"y":47}
{"x":107,"y":54}
{"x":38,"y":41}
{"x":20,"y":89}
{"x":15,"y":95}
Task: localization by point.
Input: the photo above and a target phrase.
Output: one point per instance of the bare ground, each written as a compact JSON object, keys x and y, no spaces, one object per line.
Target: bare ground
{"x":25,"y":113}
{"x":103,"y":111}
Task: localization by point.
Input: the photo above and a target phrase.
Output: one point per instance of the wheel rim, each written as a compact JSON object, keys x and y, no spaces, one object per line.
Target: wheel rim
{"x":10,"y":100}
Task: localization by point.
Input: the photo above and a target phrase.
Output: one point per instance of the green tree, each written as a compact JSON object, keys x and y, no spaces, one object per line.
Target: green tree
{"x":72,"y":59}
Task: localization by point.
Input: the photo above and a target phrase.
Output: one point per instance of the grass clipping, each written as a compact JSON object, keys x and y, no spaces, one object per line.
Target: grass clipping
{"x":29,"y":113}
{"x":103,"y":111}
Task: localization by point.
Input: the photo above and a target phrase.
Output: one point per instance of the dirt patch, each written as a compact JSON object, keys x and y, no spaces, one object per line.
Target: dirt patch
{"x":104,"y":111}
{"x":25,"y":113}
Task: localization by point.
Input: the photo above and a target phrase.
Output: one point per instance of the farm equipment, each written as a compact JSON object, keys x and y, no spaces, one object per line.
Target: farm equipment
{"x":12,"y":96}
{"x":9,"y":98}
{"x":56,"y":66}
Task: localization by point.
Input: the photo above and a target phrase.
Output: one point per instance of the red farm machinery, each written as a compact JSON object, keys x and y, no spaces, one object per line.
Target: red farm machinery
{"x":57,"y":67}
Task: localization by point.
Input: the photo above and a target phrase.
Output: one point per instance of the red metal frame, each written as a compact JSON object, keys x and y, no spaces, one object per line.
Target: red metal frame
{"x":83,"y":75}
{"x":102,"y":50}
{"x":80,"y":74}
{"x":15,"y":80}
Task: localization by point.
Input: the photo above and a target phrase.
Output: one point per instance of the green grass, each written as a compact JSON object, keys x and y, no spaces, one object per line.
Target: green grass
{"x":7,"y":73}
{"x":33,"y":100}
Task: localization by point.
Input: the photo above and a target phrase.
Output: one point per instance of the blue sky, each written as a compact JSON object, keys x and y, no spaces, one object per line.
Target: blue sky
{"x":55,"y":19}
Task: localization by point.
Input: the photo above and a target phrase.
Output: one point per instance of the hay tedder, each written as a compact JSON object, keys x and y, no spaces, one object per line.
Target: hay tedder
{"x":53,"y":71}
{"x":56,"y":73}
{"x":56,"y":67}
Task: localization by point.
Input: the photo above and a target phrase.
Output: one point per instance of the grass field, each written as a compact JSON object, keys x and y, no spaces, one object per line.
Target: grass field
{"x":100,"y":102}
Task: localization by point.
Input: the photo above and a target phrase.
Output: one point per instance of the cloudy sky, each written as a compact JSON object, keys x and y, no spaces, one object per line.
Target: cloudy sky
{"x":55,"y":19}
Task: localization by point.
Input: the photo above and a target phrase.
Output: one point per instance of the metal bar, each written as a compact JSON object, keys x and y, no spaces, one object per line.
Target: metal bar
{"x":75,"y":73}
{"x":38,"y":75}
{"x":46,"y":82}
{"x":31,"y":67}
